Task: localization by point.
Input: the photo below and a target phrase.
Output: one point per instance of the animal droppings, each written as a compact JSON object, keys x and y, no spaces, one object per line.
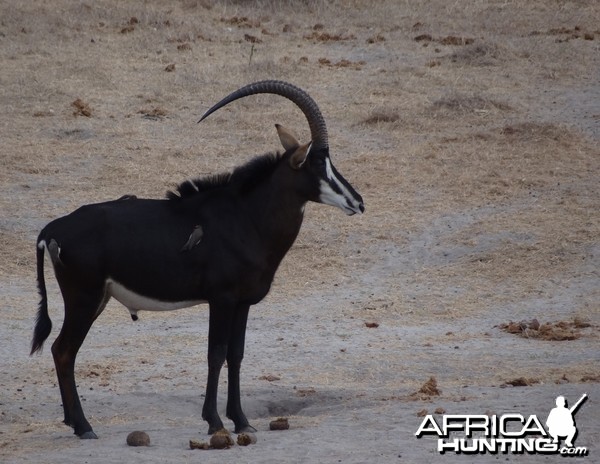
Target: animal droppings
{"x":197,"y":444}
{"x":427,"y":390}
{"x":81,"y":108}
{"x":520,"y":382}
{"x":155,"y":113}
{"x":552,"y":331}
{"x":430,"y":387}
{"x":221,"y":440}
{"x":138,"y":438}
{"x":269,"y":377}
{"x":279,"y":424}
{"x":246,"y":438}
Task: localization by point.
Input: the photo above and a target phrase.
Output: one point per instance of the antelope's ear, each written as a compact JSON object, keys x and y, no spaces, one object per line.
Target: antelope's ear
{"x":287,"y":139}
{"x":298,"y":158}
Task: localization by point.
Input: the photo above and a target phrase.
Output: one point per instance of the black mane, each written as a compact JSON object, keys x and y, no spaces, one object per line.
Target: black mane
{"x":242,"y":179}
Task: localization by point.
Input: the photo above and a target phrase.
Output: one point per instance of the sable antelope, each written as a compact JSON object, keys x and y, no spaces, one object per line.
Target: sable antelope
{"x":216,"y":240}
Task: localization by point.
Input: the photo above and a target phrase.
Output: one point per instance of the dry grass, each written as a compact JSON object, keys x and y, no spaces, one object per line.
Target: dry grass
{"x":479,"y":192}
{"x":475,"y":149}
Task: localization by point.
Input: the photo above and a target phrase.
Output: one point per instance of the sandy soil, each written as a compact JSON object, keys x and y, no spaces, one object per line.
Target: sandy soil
{"x":470,"y":128}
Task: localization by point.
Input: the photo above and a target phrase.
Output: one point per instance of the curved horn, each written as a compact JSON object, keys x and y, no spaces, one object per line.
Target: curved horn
{"x":318,"y":130}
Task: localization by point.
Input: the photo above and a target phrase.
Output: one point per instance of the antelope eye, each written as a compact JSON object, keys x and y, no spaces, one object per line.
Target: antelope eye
{"x":318,"y":162}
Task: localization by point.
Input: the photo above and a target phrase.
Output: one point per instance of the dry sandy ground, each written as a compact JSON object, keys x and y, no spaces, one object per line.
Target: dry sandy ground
{"x":470,"y":128}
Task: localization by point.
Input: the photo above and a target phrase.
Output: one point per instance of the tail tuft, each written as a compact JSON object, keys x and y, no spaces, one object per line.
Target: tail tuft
{"x":43,"y":325}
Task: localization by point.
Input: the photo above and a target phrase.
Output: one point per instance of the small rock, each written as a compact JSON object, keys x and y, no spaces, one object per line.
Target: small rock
{"x":138,"y":438}
{"x":279,"y":424}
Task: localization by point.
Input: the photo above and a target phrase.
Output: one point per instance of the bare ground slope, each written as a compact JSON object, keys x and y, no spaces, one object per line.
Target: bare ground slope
{"x":470,"y":128}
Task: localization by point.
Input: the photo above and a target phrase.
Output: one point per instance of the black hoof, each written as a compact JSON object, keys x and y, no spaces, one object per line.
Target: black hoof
{"x":214,"y":429}
{"x":88,"y":436}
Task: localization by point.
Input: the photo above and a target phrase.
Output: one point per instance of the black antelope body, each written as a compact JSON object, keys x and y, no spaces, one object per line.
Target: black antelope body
{"x":217,"y":240}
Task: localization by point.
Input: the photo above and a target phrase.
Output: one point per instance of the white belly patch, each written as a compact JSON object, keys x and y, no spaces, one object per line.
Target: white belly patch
{"x":135,"y":302}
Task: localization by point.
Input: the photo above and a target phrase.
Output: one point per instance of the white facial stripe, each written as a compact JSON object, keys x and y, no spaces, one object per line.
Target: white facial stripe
{"x":135,"y":302}
{"x":330,"y":197}
{"x":346,"y":195}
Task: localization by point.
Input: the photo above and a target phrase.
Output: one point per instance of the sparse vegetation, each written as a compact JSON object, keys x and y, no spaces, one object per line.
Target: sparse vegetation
{"x":470,"y":128}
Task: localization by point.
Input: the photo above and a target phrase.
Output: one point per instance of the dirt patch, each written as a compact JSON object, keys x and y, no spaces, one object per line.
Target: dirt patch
{"x":564,"y":34}
{"x":242,"y":22}
{"x":521,"y":382}
{"x":327,"y":37}
{"x":475,"y":149}
{"x":469,"y":103}
{"x":378,"y":38}
{"x":356,"y":65}
{"x":425,"y":39}
{"x":382,"y":115}
{"x":480,"y":54}
{"x":155,"y":113}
